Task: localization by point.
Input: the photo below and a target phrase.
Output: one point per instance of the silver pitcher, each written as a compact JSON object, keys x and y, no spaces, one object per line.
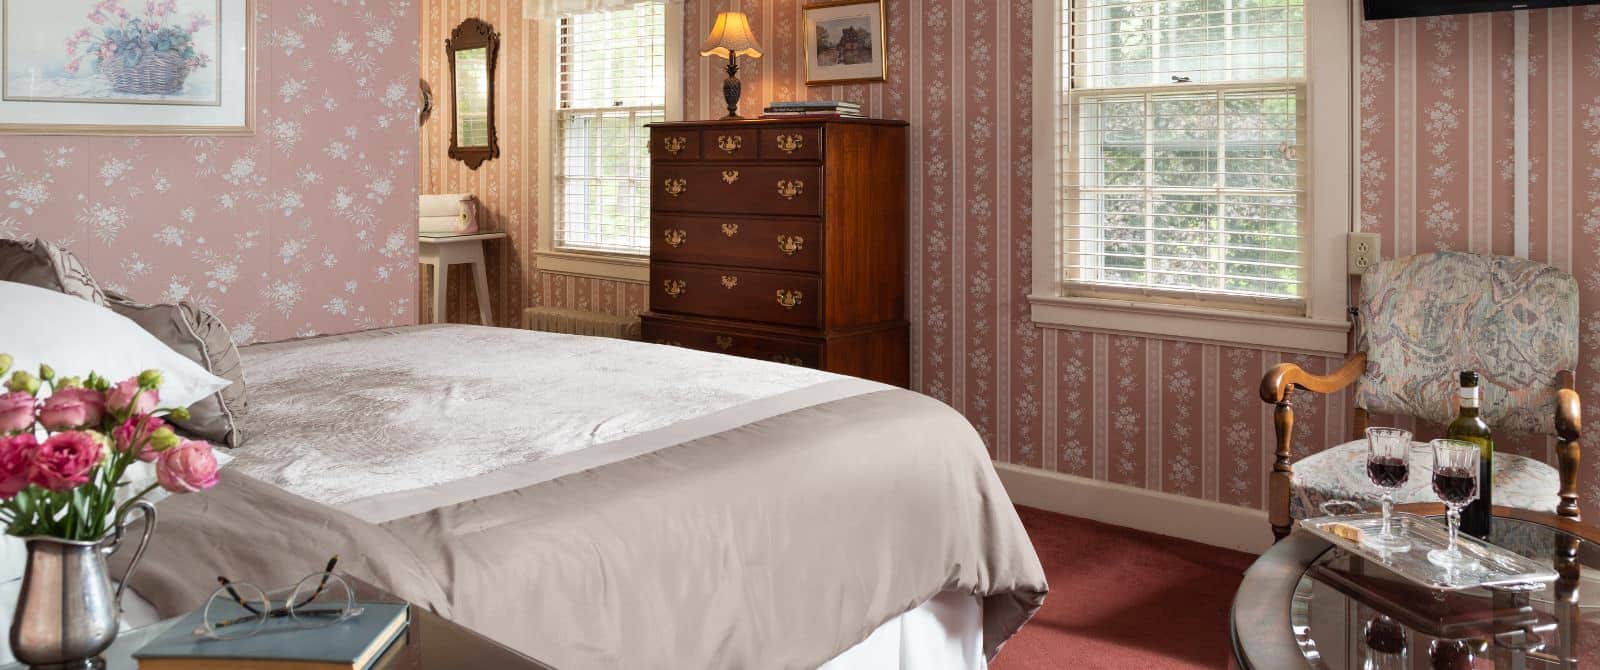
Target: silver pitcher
{"x":67,"y":612}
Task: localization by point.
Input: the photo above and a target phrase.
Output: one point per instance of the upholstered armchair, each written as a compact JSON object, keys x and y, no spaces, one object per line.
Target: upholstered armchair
{"x":1422,"y":320}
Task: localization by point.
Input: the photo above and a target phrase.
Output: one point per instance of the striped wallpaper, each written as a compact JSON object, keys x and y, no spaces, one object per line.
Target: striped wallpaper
{"x":1436,"y":173}
{"x":506,"y":186}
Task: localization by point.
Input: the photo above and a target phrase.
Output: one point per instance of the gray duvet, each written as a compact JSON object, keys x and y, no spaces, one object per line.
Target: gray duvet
{"x":775,"y":543}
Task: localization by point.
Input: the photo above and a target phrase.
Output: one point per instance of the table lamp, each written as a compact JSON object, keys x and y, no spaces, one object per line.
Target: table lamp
{"x":730,"y":37}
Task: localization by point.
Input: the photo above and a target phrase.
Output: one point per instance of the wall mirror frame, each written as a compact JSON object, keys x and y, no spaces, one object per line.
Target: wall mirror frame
{"x":472,"y":49}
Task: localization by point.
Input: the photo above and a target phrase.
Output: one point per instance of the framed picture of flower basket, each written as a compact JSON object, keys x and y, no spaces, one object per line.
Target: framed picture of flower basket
{"x":844,"y":42}
{"x":127,"y":67}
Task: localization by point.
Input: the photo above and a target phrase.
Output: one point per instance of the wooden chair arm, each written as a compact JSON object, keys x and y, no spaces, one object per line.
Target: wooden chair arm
{"x":1275,"y":385}
{"x":1569,"y":411}
{"x":1569,"y":425}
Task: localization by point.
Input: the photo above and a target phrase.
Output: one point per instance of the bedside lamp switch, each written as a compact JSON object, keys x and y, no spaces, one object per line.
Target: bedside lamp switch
{"x":1363,"y":251}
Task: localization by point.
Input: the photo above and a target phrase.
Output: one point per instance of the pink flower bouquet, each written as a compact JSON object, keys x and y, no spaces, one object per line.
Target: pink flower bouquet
{"x":63,"y":457}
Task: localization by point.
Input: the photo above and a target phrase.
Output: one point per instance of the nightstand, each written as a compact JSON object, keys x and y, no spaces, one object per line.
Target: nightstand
{"x":430,"y":643}
{"x":442,"y":251}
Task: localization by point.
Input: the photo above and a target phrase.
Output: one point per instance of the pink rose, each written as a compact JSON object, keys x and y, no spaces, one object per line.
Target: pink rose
{"x":16,"y":412}
{"x":63,"y":462}
{"x":73,"y":65}
{"x":73,"y":408}
{"x":16,"y":457}
{"x":125,"y":396}
{"x":187,"y":468}
{"x":144,"y":426}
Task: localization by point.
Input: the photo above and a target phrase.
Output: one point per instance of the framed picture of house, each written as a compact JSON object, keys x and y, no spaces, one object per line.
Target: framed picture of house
{"x":127,"y":67}
{"x":844,"y":42}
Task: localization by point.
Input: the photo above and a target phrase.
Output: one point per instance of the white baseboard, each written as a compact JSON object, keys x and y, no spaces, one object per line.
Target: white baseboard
{"x":1203,"y":521}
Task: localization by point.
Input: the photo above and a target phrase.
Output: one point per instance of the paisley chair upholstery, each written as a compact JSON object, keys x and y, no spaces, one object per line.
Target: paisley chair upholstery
{"x":1422,"y":320}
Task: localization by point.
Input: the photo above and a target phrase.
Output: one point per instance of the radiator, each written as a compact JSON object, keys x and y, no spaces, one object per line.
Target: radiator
{"x":574,"y":322}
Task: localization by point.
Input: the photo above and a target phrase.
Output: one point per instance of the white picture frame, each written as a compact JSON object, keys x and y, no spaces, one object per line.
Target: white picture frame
{"x":86,"y":67}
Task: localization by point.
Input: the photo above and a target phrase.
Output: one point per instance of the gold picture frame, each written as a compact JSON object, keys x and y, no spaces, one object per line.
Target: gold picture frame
{"x":73,"y":117}
{"x":841,"y":22}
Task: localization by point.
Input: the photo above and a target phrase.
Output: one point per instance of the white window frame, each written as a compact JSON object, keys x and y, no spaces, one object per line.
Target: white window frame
{"x":1331,"y":159}
{"x":599,"y":264}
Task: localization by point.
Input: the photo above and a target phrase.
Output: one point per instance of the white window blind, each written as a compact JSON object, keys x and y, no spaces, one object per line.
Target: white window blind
{"x":612,"y":81}
{"x":1182,"y":133}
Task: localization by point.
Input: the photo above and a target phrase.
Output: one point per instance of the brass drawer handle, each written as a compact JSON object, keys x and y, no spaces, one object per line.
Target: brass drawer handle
{"x":724,"y":342}
{"x":674,"y":144}
{"x":730,"y":281}
{"x":788,"y":360}
{"x":675,"y":237}
{"x":788,"y":299}
{"x":729,"y":143}
{"x":673,"y":187}
{"x":673,"y":287}
{"x":730,"y":229}
{"x":730,"y":176}
{"x":790,"y":244}
{"x":790,"y":189}
{"x":790,"y":143}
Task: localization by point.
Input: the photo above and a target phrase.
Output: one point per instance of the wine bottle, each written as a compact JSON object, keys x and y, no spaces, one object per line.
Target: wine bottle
{"x":1469,"y":427}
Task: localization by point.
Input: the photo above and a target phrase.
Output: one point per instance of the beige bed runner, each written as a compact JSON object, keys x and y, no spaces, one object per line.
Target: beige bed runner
{"x":776,"y":544}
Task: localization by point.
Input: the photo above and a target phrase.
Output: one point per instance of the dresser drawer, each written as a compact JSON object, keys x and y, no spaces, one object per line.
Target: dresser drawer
{"x":743,"y":189}
{"x":729,"y":144}
{"x":779,"y":244}
{"x":791,"y":144}
{"x":671,"y":144}
{"x":712,"y":338}
{"x":735,"y":293}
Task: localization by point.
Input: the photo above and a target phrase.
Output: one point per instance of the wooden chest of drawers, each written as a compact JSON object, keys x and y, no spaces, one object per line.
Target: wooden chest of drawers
{"x":783,"y":240}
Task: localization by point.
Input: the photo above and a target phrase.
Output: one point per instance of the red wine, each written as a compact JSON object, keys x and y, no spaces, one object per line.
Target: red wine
{"x":1453,"y":655}
{"x":1388,"y":471}
{"x":1386,"y":636}
{"x":1455,"y":485}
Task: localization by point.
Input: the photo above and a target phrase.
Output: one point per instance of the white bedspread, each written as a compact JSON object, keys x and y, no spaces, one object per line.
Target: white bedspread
{"x":365,"y":420}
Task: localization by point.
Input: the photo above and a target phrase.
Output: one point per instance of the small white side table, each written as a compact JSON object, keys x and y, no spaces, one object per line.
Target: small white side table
{"x":442,"y":251}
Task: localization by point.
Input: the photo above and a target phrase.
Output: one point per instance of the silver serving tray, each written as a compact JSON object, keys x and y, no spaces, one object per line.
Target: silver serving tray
{"x":1493,"y":566}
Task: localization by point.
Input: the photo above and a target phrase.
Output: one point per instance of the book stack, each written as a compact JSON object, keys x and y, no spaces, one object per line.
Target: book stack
{"x":355,"y":644}
{"x":812,"y":108}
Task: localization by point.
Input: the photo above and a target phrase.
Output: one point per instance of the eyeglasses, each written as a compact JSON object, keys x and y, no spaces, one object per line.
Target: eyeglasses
{"x":240,"y":609}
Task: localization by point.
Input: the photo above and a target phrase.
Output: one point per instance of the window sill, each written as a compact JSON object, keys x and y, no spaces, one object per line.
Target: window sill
{"x":1212,"y":325}
{"x":621,"y":267}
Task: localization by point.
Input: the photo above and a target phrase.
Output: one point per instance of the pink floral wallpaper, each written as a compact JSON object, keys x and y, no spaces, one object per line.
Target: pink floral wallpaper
{"x":1169,"y":415}
{"x":306,"y":227}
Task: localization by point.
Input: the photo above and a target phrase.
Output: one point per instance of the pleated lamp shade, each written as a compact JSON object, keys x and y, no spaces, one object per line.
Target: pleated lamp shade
{"x":731,"y":36}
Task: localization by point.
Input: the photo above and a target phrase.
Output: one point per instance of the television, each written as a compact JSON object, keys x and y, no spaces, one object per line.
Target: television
{"x":1399,"y":9}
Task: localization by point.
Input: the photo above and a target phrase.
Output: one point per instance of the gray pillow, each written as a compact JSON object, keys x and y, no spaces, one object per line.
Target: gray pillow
{"x":45,"y":265}
{"x":200,"y":336}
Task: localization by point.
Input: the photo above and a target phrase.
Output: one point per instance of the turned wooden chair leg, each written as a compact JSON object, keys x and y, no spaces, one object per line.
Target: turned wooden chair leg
{"x":1279,"y":489}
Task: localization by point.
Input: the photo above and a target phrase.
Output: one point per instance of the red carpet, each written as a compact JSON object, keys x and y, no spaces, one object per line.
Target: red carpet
{"x":1122,"y":598}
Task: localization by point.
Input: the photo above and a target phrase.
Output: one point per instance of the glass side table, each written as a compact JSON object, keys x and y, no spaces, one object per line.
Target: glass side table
{"x":1307,"y":604}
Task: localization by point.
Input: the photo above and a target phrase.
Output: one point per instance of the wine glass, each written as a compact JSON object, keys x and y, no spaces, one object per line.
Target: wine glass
{"x":1455,"y":481}
{"x":1385,"y":645}
{"x":1388,"y":466}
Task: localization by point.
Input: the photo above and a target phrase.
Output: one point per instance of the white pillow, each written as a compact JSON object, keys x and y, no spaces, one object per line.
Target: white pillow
{"x":77,"y":337}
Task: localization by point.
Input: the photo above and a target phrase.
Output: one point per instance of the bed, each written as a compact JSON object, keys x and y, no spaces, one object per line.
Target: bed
{"x":598,"y":503}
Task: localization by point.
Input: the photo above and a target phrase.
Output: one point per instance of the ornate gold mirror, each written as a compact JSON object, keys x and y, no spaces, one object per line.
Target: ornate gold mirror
{"x":472,"y":48}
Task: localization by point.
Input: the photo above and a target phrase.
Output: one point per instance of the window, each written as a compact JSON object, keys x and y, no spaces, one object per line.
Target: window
{"x":1179,"y":133}
{"x":611,"y":81}
{"x":1184,"y":123}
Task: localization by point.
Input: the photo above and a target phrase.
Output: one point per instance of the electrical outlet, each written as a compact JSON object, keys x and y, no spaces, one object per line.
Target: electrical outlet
{"x":1363,"y":251}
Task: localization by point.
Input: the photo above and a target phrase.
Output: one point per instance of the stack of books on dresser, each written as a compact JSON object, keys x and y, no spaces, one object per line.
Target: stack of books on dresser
{"x":812,"y":108}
